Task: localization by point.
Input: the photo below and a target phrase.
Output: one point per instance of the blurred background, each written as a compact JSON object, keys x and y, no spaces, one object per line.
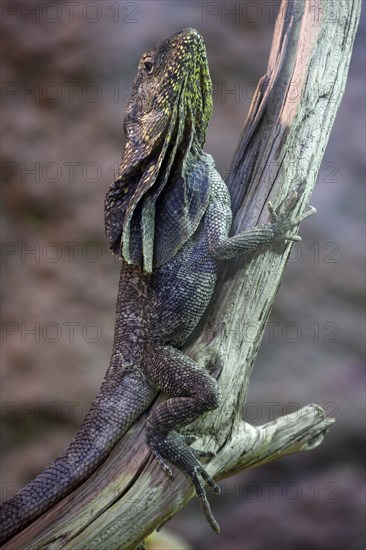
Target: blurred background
{"x":67,"y":70}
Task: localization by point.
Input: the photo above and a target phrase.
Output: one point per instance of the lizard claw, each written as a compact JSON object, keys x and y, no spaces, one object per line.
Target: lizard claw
{"x":202,"y":497}
{"x":272,"y":212}
{"x":282,"y":223}
{"x":293,"y":238}
{"x":309,"y":213}
{"x":163,"y":465}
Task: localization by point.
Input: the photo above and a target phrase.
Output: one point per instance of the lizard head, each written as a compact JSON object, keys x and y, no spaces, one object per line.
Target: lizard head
{"x":172,"y":82}
{"x":165,"y":128}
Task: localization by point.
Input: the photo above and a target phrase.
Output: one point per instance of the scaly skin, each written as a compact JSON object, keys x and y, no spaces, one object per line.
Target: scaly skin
{"x":168,"y":215}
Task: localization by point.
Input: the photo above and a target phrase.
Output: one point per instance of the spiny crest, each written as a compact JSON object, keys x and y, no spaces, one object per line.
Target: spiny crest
{"x":165,"y":126}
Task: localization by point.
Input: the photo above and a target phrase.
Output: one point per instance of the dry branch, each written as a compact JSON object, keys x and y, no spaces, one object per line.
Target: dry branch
{"x":281,"y":147}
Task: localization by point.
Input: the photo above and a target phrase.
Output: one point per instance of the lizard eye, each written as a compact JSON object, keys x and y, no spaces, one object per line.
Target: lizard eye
{"x":149,"y":67}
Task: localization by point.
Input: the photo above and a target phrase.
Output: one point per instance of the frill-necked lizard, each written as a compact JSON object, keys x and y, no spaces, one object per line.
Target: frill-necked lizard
{"x":168,"y":216}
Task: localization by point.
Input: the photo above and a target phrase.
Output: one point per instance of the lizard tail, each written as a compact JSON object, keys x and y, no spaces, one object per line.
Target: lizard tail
{"x":123,"y":396}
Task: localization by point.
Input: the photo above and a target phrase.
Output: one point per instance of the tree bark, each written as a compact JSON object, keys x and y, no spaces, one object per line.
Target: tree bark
{"x":280,"y":150}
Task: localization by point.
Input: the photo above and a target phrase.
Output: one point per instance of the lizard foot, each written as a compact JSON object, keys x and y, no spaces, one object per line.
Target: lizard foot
{"x":174,"y":448}
{"x":282,"y":223}
{"x":188,"y":439}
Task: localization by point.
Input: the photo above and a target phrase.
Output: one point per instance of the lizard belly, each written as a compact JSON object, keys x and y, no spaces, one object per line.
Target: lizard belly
{"x":180,"y":292}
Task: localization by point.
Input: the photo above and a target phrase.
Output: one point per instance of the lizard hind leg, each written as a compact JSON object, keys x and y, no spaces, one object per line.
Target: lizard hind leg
{"x":193,"y":392}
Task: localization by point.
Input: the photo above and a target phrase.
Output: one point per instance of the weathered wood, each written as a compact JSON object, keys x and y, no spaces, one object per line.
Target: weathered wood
{"x":282,"y":145}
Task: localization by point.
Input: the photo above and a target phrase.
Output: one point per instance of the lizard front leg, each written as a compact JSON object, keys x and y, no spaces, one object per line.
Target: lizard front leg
{"x":279,"y":229}
{"x":193,"y":392}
